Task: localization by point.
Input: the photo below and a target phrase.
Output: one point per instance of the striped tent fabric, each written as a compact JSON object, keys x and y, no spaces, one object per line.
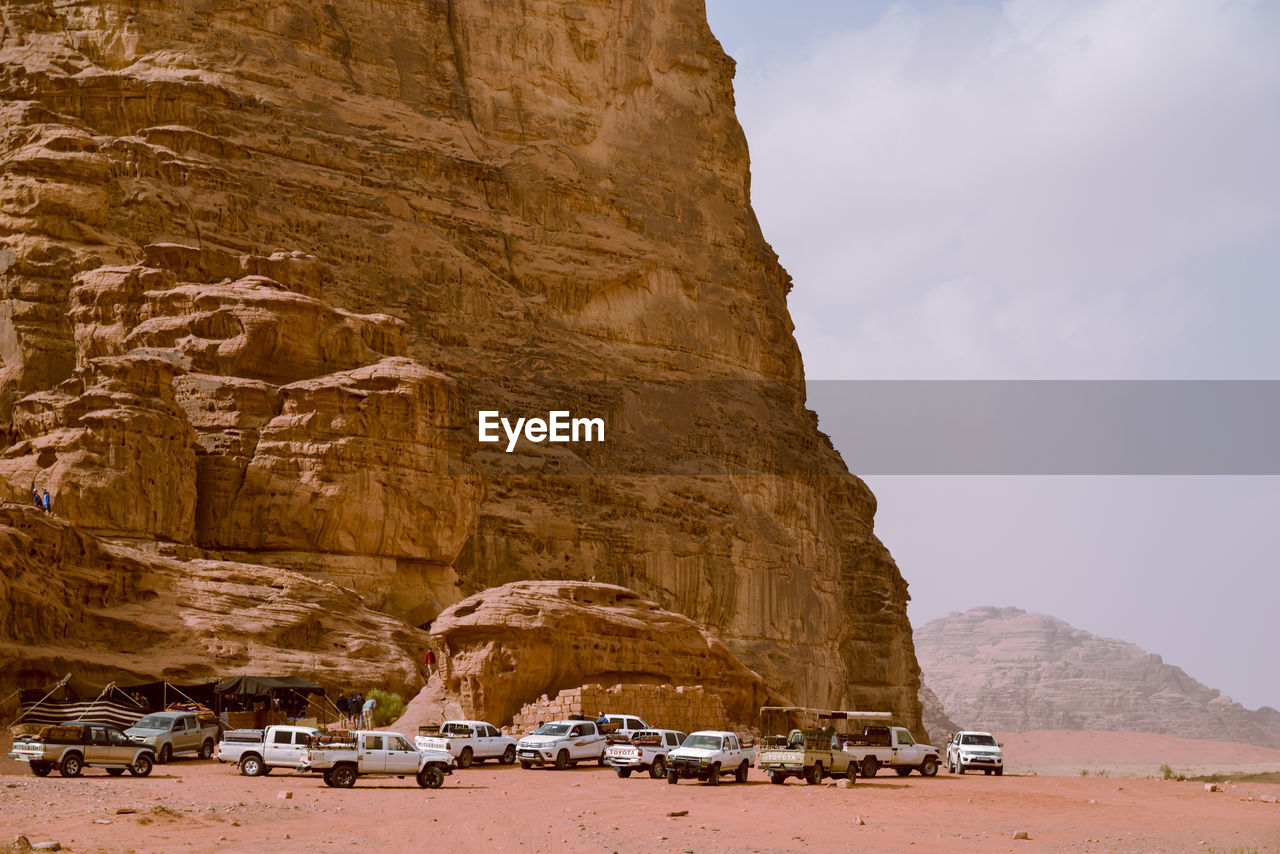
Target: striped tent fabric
{"x":105,"y":711}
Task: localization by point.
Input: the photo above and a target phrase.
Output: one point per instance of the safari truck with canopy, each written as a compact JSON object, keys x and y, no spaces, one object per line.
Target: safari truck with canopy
{"x":808,"y":744}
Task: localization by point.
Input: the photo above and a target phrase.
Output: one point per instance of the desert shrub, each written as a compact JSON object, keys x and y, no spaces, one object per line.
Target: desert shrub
{"x":390,"y":707}
{"x":1167,"y":773}
{"x":1102,"y":772}
{"x":1084,"y":772}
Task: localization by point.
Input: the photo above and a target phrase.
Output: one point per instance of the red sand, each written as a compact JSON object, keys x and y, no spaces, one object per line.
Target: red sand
{"x":488,"y":809}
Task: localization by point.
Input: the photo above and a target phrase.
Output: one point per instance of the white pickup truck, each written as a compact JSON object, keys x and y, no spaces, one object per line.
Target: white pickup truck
{"x":708,"y":754}
{"x":362,"y":753}
{"x":975,"y":751}
{"x":647,"y":751}
{"x":468,"y":742}
{"x":171,"y":733}
{"x":257,"y":751}
{"x":562,"y":743}
{"x":891,"y":747}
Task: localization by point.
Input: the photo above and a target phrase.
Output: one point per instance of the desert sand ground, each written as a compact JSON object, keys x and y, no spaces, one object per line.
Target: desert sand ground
{"x":1126,"y":754}
{"x":201,"y":806}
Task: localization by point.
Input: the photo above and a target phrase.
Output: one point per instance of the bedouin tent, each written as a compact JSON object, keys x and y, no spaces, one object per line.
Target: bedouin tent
{"x":265,"y":686}
{"x":77,"y":699}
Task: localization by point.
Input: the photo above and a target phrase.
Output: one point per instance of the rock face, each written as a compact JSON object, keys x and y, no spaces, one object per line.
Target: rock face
{"x":505,"y":647}
{"x":542,"y":206}
{"x":110,"y":611}
{"x":938,"y":728}
{"x":1005,"y":669}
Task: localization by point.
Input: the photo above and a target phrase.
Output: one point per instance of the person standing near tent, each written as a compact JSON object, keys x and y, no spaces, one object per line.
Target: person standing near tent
{"x":366,"y":717}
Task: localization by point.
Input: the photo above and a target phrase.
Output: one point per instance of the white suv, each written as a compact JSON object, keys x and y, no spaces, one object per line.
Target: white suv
{"x":969,"y":750}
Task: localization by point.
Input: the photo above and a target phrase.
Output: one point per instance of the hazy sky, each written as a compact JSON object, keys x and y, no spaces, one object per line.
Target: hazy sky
{"x":1039,"y":189}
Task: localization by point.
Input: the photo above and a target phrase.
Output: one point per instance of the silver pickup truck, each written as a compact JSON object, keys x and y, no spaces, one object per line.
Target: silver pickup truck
{"x":82,"y":744}
{"x":171,"y":733}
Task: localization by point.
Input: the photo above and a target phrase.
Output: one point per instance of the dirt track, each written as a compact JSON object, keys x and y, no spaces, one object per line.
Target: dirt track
{"x":199,"y":806}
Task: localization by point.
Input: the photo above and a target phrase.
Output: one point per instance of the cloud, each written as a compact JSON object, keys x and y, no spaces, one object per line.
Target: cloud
{"x":1045,"y":188}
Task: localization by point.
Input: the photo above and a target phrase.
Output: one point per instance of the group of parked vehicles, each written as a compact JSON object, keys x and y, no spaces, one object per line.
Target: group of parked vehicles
{"x":810,"y":745}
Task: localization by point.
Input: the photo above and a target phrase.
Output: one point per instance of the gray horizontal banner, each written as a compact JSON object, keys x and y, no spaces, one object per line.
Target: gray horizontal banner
{"x":1053,"y":427}
{"x":879,"y":428}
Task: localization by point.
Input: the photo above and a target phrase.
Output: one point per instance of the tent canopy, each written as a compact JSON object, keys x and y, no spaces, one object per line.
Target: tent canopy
{"x":261,"y":686}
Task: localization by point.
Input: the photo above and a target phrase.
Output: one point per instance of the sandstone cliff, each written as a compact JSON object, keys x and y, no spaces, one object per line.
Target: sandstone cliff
{"x":1005,"y":669}
{"x":251,"y":253}
{"x":505,"y":647}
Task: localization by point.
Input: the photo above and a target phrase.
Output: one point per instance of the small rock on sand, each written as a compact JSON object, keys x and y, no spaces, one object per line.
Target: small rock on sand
{"x":1211,"y":787}
{"x":844,"y":784}
{"x":678,"y":813}
{"x":283,"y":795}
{"x":1021,"y":834}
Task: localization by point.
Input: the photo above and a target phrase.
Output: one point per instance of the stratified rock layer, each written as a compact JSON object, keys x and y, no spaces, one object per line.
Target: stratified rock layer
{"x":505,"y":647}
{"x":546,"y":195}
{"x":1006,"y":669}
{"x":70,"y":601}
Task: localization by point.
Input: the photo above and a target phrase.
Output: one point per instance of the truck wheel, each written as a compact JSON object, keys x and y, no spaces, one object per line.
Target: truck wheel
{"x":508,"y":756}
{"x":206,"y":749}
{"x":465,"y":757}
{"x":713,"y":778}
{"x":72,"y":765}
{"x":870,"y":766}
{"x":1000,"y":771}
{"x":115,"y":772}
{"x":959,"y":767}
{"x":951,"y":769}
{"x":658,"y":769}
{"x":562,"y":760}
{"x":41,"y":769}
{"x":741,"y":774}
{"x":902,"y":772}
{"x":431,"y":777}
{"x":251,"y":765}
{"x":986,"y":771}
{"x":600,"y":759}
{"x":166,"y":754}
{"x":526,"y":764}
{"x":328,"y":777}
{"x":929,"y":767}
{"x":141,"y":766}
{"x":777,"y":779}
{"x":813,"y":776}
{"x":344,"y":776}
{"x":624,"y":773}
{"x":672,"y":779}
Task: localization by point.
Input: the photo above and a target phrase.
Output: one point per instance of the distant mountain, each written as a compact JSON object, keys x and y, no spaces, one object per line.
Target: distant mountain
{"x":1006,"y":669}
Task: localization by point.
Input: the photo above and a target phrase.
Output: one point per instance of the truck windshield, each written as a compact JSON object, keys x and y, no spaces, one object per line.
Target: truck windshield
{"x":979,"y":739}
{"x":552,"y":729}
{"x":154,"y":722}
{"x":711,"y":742}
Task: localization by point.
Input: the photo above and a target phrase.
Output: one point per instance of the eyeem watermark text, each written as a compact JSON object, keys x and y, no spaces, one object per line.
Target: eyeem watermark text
{"x":558,"y":427}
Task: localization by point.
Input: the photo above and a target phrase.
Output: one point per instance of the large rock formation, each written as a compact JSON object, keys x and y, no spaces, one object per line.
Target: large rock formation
{"x":553,"y":200}
{"x":1005,"y":669}
{"x":505,"y":647}
{"x":70,"y":601}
